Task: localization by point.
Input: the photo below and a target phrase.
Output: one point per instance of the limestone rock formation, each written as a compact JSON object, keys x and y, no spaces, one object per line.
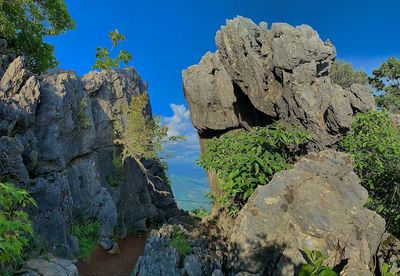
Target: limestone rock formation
{"x":260,"y":75}
{"x":318,"y":205}
{"x":56,"y":141}
{"x":52,"y":267}
{"x":160,"y":258}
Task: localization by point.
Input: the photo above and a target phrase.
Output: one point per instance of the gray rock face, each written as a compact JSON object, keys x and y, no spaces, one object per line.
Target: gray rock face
{"x":52,"y":267}
{"x":317,"y":205}
{"x":161,"y":259}
{"x":56,"y":140}
{"x":259,"y":75}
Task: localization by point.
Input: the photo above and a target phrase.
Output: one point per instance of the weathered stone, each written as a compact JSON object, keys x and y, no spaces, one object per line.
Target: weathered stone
{"x":59,"y":144}
{"x":281,"y":74}
{"x":159,"y":259}
{"x":53,"y":213}
{"x":52,"y":267}
{"x":317,"y":205}
{"x":193,"y":266}
{"x":210,"y":79}
{"x":11,"y":164}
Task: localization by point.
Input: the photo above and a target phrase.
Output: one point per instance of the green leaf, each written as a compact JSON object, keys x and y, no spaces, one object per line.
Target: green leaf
{"x":326,"y":271}
{"x":306,"y":270}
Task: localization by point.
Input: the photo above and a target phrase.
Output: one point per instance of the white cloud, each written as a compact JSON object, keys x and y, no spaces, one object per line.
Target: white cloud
{"x":179,"y":124}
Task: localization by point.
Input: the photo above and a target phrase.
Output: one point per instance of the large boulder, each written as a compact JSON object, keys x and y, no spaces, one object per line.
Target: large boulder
{"x":318,"y":205}
{"x":259,"y":75}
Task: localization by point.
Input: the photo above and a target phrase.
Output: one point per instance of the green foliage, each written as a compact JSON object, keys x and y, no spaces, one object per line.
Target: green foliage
{"x":374,"y":143}
{"x":140,"y":134}
{"x":117,"y":176}
{"x":15,"y":225}
{"x":245,"y":159}
{"x":103,"y":59}
{"x":83,"y":118}
{"x":385,"y":270}
{"x":386,"y":80}
{"x":24,"y":24}
{"x":179,"y":241}
{"x":342,"y":73}
{"x":88,"y":235}
{"x":315,"y":266}
{"x":200,"y":213}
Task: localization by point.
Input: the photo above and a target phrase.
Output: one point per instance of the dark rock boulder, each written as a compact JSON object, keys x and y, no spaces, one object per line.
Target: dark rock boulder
{"x":318,"y":205}
{"x":260,"y":75}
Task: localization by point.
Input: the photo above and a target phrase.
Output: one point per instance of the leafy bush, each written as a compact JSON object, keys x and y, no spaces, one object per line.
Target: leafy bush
{"x":103,"y":59}
{"x":385,"y":270}
{"x":88,"y":235}
{"x":342,"y":73}
{"x":374,"y":143}
{"x":386,"y":80}
{"x":315,"y":266}
{"x":140,"y":135}
{"x":24,"y":24}
{"x":245,"y":159}
{"x":82,"y":117}
{"x":200,"y":213}
{"x":117,"y":176}
{"x":15,"y":226}
{"x":179,"y":241}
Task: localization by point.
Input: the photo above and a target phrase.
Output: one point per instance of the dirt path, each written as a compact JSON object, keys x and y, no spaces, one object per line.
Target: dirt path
{"x":104,"y":264}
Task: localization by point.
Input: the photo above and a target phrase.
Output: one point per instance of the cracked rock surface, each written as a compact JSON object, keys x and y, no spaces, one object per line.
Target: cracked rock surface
{"x":56,"y":141}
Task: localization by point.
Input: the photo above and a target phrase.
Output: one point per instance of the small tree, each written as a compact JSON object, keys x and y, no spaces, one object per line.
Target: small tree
{"x":342,"y":73}
{"x":103,"y":59}
{"x":24,"y":24}
{"x":386,"y":79}
{"x":15,"y":226}
{"x":139,"y":134}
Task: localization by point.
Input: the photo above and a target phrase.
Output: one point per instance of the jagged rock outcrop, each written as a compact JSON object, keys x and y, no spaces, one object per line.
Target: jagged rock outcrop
{"x":260,"y":75}
{"x":318,"y":204}
{"x":160,"y":258}
{"x":56,"y":141}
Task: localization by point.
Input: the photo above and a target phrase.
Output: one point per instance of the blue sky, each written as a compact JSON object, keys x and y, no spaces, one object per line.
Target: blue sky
{"x":165,"y":37}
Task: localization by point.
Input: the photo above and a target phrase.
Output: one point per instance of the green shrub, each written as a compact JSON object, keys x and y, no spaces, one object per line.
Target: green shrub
{"x":374,"y":143}
{"x":88,"y":235}
{"x":83,"y":118}
{"x":24,"y":24}
{"x":15,"y":225}
{"x":200,"y":213}
{"x":245,"y":159}
{"x":179,"y":241}
{"x":385,"y":271}
{"x":315,"y":264}
{"x":342,"y":73}
{"x":117,"y":176}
